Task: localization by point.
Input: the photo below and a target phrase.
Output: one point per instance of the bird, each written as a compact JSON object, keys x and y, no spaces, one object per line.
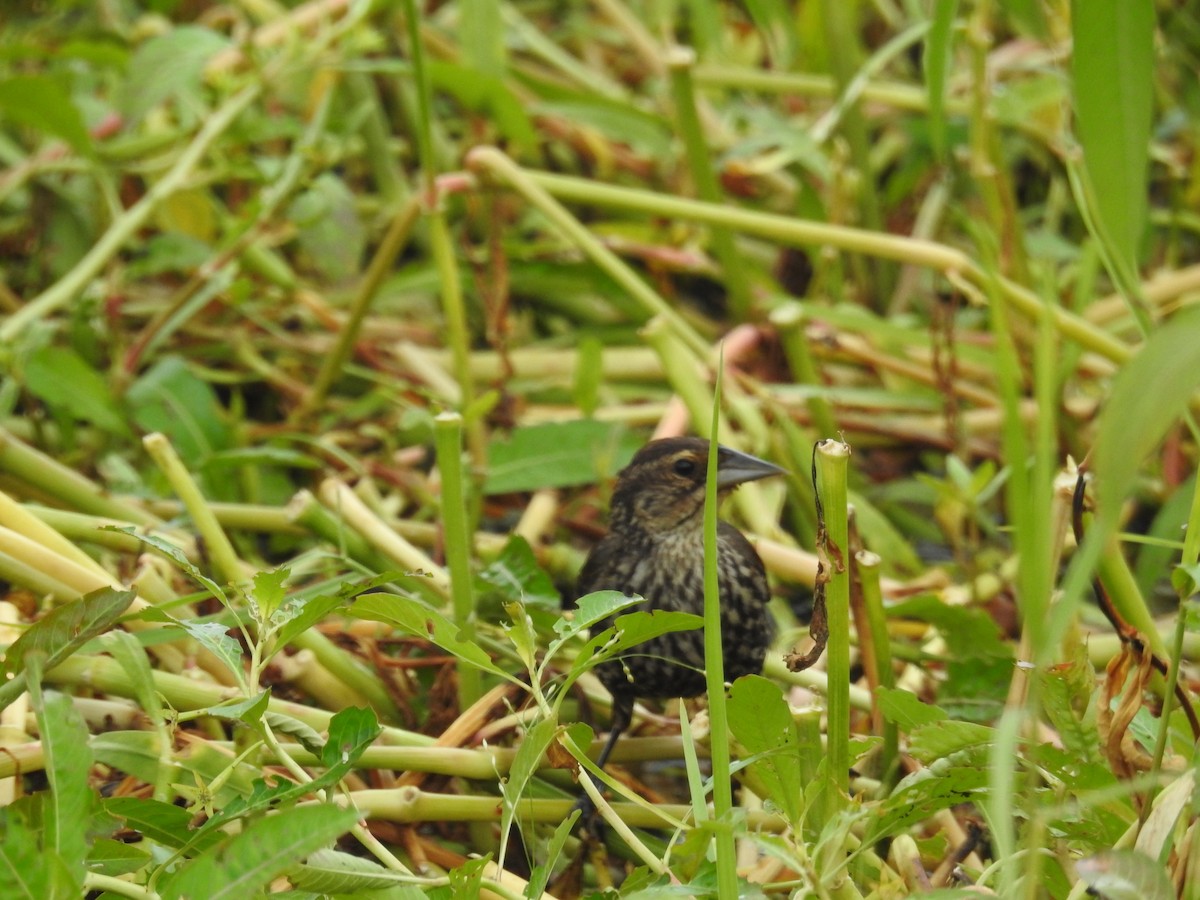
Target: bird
{"x":655,"y":549}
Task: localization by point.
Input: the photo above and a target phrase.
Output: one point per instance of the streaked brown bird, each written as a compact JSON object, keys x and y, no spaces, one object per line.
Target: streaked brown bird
{"x":655,"y":548}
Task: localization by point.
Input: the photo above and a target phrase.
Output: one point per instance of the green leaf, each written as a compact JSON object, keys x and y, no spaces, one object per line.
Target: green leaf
{"x":489,"y":96}
{"x":268,"y":592}
{"x":524,"y":767}
{"x":265,"y":849}
{"x":129,"y":652}
{"x":1148,"y":396}
{"x":64,"y":380}
{"x":27,"y":872}
{"x":115,"y":858}
{"x":164,"y":823}
{"x":298,"y":614}
{"x":539,"y":876}
{"x":351,"y":731}
{"x":1112,"y":65}
{"x":136,"y":753}
{"x":61,"y":632}
{"x":415,"y":618}
{"x":558,"y":455}
{"x":42,"y":103}
{"x":168,"y":65}
{"x":212,"y":636}
{"x":761,"y":720}
{"x":170,"y":399}
{"x":328,"y":228}
{"x":516,"y":575}
{"x":248,"y":710}
{"x":628,"y":631}
{"x":937,"y":740}
{"x":906,"y":710}
{"x":331,"y":872}
{"x":466,"y":880}
{"x":67,"y":806}
{"x":592,"y":608}
{"x":175,"y":554}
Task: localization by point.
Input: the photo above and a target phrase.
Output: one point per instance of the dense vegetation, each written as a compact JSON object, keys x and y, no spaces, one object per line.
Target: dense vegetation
{"x":325,"y":327}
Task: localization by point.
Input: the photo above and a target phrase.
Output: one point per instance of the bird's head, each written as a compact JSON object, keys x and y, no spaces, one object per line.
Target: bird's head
{"x":662,"y":488}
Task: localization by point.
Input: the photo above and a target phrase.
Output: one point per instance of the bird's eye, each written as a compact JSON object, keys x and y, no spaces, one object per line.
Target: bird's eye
{"x":684,"y":466}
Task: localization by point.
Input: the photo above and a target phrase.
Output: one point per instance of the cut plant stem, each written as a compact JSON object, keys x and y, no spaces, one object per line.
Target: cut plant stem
{"x":831,"y":460}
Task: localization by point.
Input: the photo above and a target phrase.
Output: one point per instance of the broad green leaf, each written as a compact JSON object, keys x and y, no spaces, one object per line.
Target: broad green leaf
{"x":946,"y":783}
{"x":168,"y":65}
{"x":170,"y":399}
{"x":115,"y":858}
{"x":264,"y":849}
{"x":27,"y":872}
{"x":516,"y":575}
{"x":1067,"y":690}
{"x":905,"y":709}
{"x":969,"y":633}
{"x":593,"y":607}
{"x":135,"y":753}
{"x":465,"y":880}
{"x":762,"y":723}
{"x":68,"y":804}
{"x":415,"y":618}
{"x":1148,"y":396}
{"x":164,"y":823}
{"x":351,"y":731}
{"x":60,"y":633}
{"x":297,"y":615}
{"x":41,"y":102}
{"x":558,"y":455}
{"x":329,"y":872}
{"x":1112,"y":65}
{"x":938,"y":740}
{"x":64,"y":380}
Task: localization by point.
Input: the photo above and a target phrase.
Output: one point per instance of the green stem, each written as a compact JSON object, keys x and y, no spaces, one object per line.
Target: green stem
{"x":76,"y":491}
{"x":220,"y":550}
{"x":680,"y":62}
{"x":448,"y":433}
{"x":393,"y":242}
{"x":832,"y":462}
{"x":714,"y":670}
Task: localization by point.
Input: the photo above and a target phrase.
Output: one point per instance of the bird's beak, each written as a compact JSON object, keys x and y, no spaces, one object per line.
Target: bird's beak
{"x":734,"y":468}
